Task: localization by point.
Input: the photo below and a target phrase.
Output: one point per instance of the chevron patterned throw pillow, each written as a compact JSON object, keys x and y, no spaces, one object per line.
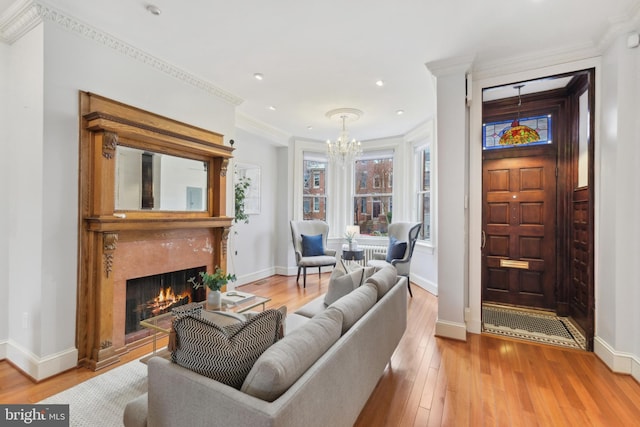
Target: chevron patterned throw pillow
{"x":225,"y":354}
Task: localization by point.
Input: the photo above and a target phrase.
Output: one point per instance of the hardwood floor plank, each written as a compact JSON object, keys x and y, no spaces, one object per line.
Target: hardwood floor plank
{"x":486,"y":381}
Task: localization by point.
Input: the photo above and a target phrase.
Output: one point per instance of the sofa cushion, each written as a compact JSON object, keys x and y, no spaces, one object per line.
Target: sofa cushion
{"x":384,"y":279}
{"x":368,"y":271}
{"x":225,"y":354}
{"x":341,"y":283}
{"x":354,"y":305}
{"x":312,"y":245}
{"x":283,"y":363}
{"x":396,"y":249}
{"x":313,"y":307}
{"x":294,"y":321}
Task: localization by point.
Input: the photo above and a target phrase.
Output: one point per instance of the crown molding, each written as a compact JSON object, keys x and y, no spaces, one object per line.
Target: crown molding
{"x":620,"y":26}
{"x":452,"y":65}
{"x":24,"y":15}
{"x":256,"y":127}
{"x":565,"y":54}
{"x":422,"y":131}
{"x":17,"y":20}
{"x":534,"y":60}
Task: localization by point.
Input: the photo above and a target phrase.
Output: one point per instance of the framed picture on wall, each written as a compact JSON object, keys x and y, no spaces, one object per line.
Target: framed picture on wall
{"x":252,"y":173}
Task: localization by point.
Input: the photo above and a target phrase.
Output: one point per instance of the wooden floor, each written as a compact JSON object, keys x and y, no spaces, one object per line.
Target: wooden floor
{"x":431,"y":381}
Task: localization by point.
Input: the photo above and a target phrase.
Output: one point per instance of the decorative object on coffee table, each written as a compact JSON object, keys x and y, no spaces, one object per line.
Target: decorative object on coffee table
{"x":214,"y":282}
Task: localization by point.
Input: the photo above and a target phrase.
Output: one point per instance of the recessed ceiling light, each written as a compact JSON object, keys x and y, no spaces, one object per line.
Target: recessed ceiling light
{"x":310,"y":127}
{"x":153,"y":9}
{"x":380,"y":83}
{"x":272,"y":108}
{"x":258,"y":76}
{"x":400,"y":112}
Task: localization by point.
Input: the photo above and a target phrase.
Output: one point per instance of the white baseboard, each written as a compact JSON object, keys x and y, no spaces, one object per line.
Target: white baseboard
{"x":456,"y":331}
{"x":253,"y":277}
{"x":425,"y":284}
{"x":3,"y":350}
{"x":474,"y":326}
{"x":292,"y":271}
{"x":40,"y":368}
{"x":624,"y":363}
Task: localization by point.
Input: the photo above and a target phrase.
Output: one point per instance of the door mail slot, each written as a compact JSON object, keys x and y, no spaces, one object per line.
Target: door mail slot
{"x":509,"y":263}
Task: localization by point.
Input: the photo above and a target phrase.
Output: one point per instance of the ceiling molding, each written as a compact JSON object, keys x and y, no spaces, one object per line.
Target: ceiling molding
{"x":421,"y":132}
{"x":534,"y":60}
{"x":453,"y":65}
{"x":564,"y":54}
{"x":256,"y":127}
{"x":621,"y":26}
{"x":19,"y":18}
{"x":26,"y":14}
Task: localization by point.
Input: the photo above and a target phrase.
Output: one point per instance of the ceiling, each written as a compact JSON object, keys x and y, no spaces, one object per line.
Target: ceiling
{"x":322,"y":55}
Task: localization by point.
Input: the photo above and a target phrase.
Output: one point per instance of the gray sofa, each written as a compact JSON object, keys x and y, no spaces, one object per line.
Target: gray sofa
{"x":332,"y":388}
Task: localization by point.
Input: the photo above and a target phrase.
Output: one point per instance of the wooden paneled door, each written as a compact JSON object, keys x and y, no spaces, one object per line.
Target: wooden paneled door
{"x":580,"y":283}
{"x":519,"y":236}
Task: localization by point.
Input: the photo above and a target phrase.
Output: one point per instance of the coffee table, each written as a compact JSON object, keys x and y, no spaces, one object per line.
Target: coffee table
{"x":161,"y":324}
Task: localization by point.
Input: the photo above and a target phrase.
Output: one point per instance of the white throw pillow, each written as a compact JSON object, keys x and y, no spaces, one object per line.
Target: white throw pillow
{"x":340,"y":284}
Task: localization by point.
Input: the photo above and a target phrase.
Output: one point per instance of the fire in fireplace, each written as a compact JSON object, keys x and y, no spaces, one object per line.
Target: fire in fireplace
{"x":154,"y":295}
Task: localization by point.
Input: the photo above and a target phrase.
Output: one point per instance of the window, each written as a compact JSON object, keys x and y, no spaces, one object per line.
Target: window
{"x":423,"y":158}
{"x":314,"y":197}
{"x":372,"y":203}
{"x":492,"y":132}
{"x":363,"y":179}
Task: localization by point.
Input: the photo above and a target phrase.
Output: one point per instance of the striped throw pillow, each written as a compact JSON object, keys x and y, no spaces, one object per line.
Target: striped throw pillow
{"x":225,"y":354}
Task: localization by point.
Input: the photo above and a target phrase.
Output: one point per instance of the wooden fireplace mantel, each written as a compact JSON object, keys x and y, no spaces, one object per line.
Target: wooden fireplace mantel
{"x":104,"y":125}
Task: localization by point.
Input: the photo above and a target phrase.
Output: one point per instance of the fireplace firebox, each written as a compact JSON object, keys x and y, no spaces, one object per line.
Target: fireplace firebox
{"x":158,"y":294}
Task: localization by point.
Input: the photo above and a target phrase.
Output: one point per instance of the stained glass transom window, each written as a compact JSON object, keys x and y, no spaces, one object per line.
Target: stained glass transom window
{"x":493,"y":131}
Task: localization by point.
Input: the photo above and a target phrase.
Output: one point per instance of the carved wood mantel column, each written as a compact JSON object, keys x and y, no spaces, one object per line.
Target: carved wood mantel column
{"x":104,"y":125}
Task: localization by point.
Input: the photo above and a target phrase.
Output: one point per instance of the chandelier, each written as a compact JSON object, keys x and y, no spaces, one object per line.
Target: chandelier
{"x":519,"y":134}
{"x":344,"y":150}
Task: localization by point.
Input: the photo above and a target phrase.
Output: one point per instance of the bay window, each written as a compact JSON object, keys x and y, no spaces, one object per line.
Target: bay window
{"x":372,"y":200}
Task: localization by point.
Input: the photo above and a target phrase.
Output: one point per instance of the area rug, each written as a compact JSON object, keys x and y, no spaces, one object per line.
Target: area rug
{"x":100,"y":401}
{"x":531,"y":326}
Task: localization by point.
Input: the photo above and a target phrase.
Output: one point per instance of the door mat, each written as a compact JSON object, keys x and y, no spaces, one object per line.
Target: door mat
{"x":531,"y":325}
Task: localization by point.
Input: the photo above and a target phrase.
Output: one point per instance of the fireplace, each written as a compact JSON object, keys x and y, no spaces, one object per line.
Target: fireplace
{"x":157,"y":294}
{"x":117,"y":245}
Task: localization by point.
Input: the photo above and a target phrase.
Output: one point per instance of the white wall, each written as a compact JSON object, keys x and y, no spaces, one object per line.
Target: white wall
{"x":618,"y":230}
{"x":252,"y":248}
{"x":4,"y":196}
{"x":44,"y":201}
{"x":284,"y":209}
{"x":25,"y":195}
{"x":451,"y":159}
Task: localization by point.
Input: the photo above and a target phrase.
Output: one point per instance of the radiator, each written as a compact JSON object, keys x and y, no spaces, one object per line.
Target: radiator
{"x":369,"y":250}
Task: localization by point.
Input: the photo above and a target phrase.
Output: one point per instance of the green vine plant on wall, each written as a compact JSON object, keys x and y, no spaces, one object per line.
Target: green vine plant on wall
{"x":242,"y":186}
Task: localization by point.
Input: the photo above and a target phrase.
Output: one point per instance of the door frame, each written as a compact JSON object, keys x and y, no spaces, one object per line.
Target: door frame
{"x":479,"y":81}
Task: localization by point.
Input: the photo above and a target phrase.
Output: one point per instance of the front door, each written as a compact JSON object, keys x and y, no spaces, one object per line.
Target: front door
{"x":518,"y":219}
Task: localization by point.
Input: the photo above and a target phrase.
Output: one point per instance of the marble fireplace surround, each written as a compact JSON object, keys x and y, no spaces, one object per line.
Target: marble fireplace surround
{"x":142,"y":254}
{"x":117,"y":245}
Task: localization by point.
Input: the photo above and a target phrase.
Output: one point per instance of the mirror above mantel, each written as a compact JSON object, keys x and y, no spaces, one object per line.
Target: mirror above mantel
{"x":148,"y":180}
